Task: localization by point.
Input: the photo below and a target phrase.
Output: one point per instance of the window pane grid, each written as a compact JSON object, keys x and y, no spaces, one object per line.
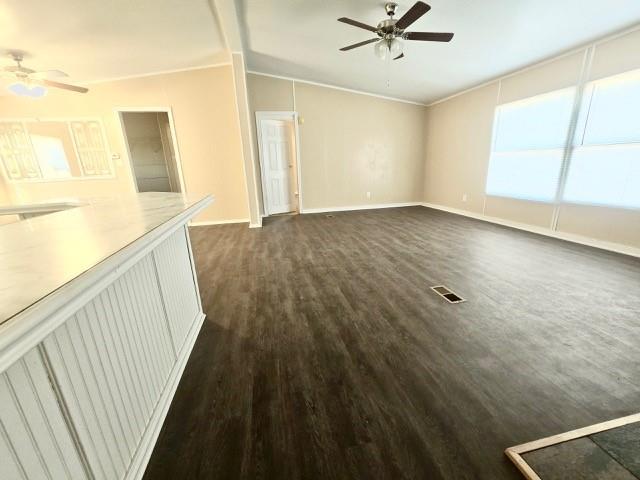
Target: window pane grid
{"x":528,"y":148}
{"x":603,"y":159}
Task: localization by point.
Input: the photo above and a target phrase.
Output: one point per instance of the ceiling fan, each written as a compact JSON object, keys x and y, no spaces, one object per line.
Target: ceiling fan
{"x":391,"y":32}
{"x":31,"y":82}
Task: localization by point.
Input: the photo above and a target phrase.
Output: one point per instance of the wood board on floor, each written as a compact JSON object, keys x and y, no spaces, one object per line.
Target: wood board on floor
{"x":608,"y":450}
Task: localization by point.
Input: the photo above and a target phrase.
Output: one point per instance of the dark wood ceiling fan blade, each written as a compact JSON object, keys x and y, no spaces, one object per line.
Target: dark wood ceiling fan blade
{"x":399,"y":56}
{"x":413,"y":14}
{"x":429,"y":36}
{"x":64,"y":86}
{"x":360,"y":44}
{"x":355,"y":23}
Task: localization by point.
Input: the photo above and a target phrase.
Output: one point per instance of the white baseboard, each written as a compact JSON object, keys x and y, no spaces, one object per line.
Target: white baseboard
{"x":360,"y":207}
{"x":148,"y":441}
{"x":569,"y":237}
{"x":226,"y":222}
{"x":218,"y":222}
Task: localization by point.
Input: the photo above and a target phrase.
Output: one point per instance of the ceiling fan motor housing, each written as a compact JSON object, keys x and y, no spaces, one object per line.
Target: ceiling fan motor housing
{"x":387,"y":27}
{"x":390,"y":8}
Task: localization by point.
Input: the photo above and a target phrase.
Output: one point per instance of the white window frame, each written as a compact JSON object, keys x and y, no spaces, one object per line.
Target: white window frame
{"x":581,"y":123}
{"x":584,"y":88}
{"x":561,"y":149}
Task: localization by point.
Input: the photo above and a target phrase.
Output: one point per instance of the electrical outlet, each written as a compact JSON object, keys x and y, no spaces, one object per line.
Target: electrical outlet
{"x":368,"y":195}
{"x":464,"y":197}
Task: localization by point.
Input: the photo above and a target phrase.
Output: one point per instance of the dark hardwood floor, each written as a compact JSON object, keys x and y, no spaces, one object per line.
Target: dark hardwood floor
{"x":325,"y":355}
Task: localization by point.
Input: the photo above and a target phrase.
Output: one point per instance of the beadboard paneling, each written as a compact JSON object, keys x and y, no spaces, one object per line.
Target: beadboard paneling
{"x":112,"y":360}
{"x":177,"y":283}
{"x":34,"y":440}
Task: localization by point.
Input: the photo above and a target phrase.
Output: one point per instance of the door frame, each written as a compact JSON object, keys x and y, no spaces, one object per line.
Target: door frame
{"x":174,"y":139}
{"x":278,"y":115}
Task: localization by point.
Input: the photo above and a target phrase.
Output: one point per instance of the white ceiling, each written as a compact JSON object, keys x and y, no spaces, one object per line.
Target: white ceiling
{"x":100,"y":39}
{"x":301,"y":38}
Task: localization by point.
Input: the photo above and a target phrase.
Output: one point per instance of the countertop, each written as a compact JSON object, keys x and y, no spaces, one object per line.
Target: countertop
{"x":42,"y":254}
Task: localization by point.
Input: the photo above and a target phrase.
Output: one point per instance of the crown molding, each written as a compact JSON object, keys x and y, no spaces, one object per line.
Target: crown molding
{"x":161,"y":72}
{"x":335,"y":87}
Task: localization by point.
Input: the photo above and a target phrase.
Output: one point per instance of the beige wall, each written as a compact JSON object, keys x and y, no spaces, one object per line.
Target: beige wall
{"x":250,"y":170}
{"x":266,"y":94}
{"x":350,"y":143}
{"x":458,"y":136}
{"x":206,"y":124}
{"x":457,"y":148}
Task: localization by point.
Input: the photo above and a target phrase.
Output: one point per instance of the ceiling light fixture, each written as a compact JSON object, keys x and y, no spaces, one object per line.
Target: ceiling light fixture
{"x":391,"y":32}
{"x":381,"y":49}
{"x":395,"y":47}
{"x":32,"y":83}
{"x":25,"y":90}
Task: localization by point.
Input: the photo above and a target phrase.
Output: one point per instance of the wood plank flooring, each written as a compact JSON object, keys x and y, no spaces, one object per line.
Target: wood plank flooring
{"x":325,"y":355}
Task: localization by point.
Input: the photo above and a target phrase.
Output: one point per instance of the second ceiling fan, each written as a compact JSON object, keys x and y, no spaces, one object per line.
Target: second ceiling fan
{"x":391,"y":32}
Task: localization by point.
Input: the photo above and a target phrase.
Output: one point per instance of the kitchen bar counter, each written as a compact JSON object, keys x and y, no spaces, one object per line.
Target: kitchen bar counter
{"x":99,"y":311}
{"x":42,"y":254}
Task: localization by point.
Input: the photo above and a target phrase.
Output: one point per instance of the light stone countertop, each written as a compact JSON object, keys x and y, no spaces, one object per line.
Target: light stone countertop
{"x":40,"y":255}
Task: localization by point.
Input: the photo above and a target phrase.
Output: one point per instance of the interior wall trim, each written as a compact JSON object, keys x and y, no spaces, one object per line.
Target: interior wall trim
{"x":218,"y":222}
{"x":569,"y":237}
{"x":291,"y":116}
{"x":161,"y":72}
{"x":239,"y":72}
{"x":360,"y":207}
{"x":335,"y":87}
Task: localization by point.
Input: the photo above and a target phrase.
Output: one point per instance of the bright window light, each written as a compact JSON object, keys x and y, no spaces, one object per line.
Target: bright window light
{"x":529,"y":141}
{"x":603,"y":164}
{"x":605,"y":175}
{"x":539,"y":122}
{"x":604,"y":168}
{"x":612,"y":106}
{"x":51,"y":156}
{"x":529,"y":175}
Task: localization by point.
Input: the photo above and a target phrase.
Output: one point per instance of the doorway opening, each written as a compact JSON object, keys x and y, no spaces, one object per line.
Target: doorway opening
{"x":279,"y":152}
{"x":152,"y":149}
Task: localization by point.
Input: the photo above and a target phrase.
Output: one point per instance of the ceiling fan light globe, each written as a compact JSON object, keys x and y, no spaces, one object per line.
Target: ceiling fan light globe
{"x":396,"y":47}
{"x":24,"y":90}
{"x":381,"y":50}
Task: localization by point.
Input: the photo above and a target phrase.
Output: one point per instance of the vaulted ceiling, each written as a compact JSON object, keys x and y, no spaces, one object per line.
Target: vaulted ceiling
{"x":100,"y":39}
{"x":301,"y":38}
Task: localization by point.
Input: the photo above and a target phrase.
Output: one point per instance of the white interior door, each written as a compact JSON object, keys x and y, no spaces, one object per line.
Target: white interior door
{"x":278,"y":160}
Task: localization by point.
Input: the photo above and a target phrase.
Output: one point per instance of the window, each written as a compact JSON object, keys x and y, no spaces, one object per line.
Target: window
{"x":605,"y":162}
{"x":53,"y":150}
{"x":528,"y":146}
